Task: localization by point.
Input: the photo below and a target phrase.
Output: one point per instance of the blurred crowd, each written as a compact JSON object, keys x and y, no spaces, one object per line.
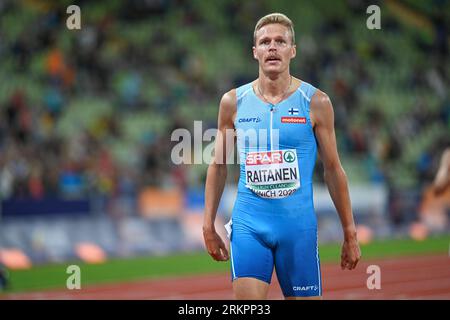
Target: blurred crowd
{"x":90,"y":112}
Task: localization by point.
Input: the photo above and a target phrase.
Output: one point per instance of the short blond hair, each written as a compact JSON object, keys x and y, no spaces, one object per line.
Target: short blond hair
{"x":275,"y":18}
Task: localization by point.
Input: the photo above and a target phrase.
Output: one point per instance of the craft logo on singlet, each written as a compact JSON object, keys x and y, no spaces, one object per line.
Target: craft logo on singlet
{"x":301,"y":120}
{"x":258,"y":119}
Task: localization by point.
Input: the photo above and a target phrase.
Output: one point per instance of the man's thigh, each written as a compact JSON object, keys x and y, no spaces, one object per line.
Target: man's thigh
{"x":251,"y":263}
{"x":297,"y":264}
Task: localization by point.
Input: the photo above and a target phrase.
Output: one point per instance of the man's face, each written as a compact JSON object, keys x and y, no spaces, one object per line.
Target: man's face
{"x":273,"y":48}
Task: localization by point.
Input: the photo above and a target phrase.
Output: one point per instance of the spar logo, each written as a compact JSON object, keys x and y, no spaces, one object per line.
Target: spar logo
{"x":289,"y":156}
{"x":259,"y":158}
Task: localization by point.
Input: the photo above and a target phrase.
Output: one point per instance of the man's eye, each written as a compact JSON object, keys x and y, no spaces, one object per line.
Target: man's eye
{"x":281,"y":41}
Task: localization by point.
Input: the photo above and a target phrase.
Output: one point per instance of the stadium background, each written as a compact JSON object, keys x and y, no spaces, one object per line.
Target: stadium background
{"x":86,"y":118}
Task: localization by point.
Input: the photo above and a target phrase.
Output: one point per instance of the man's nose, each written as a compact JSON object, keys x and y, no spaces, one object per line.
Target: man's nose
{"x":272,"y":45}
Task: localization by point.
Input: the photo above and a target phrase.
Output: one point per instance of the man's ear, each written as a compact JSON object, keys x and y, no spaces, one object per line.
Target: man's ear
{"x":294,"y":51}
{"x":254,"y":52}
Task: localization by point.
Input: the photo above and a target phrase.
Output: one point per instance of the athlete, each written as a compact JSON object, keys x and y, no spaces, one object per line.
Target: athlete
{"x":280,"y":123}
{"x":441,"y":182}
{"x":434,"y":208}
{"x":3,"y":277}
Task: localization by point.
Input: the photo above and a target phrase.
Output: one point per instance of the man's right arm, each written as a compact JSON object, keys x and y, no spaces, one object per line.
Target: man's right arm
{"x":217,"y":174}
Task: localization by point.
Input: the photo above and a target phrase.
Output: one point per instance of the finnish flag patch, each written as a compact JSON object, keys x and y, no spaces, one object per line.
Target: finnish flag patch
{"x":293,"y":111}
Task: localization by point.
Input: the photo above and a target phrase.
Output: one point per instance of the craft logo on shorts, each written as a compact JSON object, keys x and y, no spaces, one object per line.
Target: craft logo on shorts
{"x":300,"y":120}
{"x":305,"y":288}
{"x":260,"y":158}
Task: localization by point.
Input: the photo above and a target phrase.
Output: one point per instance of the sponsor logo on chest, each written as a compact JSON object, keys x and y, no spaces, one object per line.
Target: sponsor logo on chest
{"x":299,"y":120}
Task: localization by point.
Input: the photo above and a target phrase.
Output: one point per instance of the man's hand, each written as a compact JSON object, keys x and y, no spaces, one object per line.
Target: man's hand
{"x":215,"y":246}
{"x":350,"y":254}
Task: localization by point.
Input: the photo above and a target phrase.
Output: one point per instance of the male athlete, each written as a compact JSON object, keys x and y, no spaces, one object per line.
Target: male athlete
{"x":435,"y":204}
{"x":273,"y":221}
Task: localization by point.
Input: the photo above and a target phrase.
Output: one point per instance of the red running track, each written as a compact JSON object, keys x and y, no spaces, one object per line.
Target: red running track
{"x":424,"y":277}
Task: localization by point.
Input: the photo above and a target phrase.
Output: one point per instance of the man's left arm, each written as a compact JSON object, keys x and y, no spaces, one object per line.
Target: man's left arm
{"x":322,"y":117}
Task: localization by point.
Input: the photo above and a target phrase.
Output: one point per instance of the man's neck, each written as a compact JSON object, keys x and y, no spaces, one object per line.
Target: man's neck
{"x":274,"y":85}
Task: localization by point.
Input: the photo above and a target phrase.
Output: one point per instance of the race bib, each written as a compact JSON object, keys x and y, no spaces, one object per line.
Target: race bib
{"x":272,"y":174}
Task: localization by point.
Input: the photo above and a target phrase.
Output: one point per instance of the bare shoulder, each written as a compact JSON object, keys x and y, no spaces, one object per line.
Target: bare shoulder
{"x":228,"y":106}
{"x":321,"y":101}
{"x":228,"y":100}
{"x":321,"y":108}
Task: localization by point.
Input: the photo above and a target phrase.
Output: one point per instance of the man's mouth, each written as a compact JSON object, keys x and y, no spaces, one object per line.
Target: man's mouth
{"x":270,"y":59}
